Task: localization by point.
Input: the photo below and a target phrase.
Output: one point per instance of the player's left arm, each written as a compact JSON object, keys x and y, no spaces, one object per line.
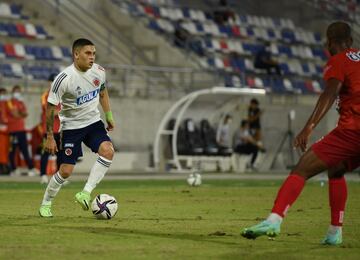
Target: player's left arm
{"x":325,"y":101}
{"x":105,"y":104}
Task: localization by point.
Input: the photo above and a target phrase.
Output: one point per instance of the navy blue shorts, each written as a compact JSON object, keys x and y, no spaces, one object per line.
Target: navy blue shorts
{"x":92,"y":136}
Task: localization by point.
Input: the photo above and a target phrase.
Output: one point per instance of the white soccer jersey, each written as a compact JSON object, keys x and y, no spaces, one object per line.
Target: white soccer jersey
{"x":78,"y":94}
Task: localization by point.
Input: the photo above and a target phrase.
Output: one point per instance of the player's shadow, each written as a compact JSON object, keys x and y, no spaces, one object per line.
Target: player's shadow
{"x":127,"y":232}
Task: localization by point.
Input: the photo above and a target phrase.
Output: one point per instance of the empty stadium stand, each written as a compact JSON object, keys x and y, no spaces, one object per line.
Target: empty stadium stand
{"x":26,"y":49}
{"x":228,"y":48}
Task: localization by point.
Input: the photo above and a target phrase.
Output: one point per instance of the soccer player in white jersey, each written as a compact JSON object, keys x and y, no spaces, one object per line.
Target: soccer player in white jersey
{"x":79,"y":89}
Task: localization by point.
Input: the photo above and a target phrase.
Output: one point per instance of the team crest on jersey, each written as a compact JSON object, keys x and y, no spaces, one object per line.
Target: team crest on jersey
{"x":354,"y":56}
{"x":78,"y":90}
{"x":96,"y":82}
{"x":68,"y":151}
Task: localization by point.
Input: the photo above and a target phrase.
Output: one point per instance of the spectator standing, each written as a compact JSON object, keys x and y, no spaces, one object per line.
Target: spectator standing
{"x":4,"y":136}
{"x":16,"y":114}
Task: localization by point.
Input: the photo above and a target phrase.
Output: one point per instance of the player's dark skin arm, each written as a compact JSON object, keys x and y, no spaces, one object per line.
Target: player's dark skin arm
{"x":323,"y":104}
{"x":50,"y":144}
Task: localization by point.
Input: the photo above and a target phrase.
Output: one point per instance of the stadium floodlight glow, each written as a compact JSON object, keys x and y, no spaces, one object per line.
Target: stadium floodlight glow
{"x":178,"y":110}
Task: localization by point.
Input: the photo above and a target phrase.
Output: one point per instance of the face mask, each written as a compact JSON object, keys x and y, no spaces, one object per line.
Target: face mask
{"x":3,"y":97}
{"x":17,"y":95}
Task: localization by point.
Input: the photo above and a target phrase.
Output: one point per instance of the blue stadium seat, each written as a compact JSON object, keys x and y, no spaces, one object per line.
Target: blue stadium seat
{"x":228,"y":81}
{"x":186,"y":12}
{"x":66,"y":52}
{"x":47,"y":53}
{"x":6,"y":70}
{"x":154,"y":25}
{"x":250,"y":32}
{"x":40,"y":31}
{"x":285,"y":68}
{"x":317,"y":37}
{"x":225,"y":30}
{"x":132,"y":8}
{"x":208,"y":44}
{"x":209,"y":16}
{"x":199,"y":27}
{"x":288,"y":36}
{"x":16,"y":10}
{"x":267,"y":82}
{"x":237,"y":64}
{"x":3,"y":30}
{"x":277,"y":85}
{"x":305,"y":68}
{"x":211,"y":62}
{"x":300,"y":84}
{"x":248,"y":47}
{"x":156,"y":11}
{"x":2,"y":51}
{"x":271,"y":34}
{"x":319,"y":69}
{"x":12,"y":30}
{"x":243,"y":19}
{"x":285,"y":50}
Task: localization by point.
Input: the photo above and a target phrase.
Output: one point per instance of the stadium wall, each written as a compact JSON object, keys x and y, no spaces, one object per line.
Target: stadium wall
{"x":137,"y":121}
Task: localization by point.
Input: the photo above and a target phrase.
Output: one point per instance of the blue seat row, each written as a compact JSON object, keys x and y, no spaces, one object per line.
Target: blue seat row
{"x":14,"y":70}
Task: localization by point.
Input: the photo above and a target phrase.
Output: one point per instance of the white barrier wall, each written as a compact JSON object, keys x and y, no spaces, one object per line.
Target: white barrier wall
{"x":137,"y":121}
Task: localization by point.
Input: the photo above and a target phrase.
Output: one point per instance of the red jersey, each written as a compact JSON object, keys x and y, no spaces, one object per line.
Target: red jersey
{"x":16,"y":123}
{"x":3,"y":116}
{"x":56,"y":126}
{"x":345,"y":67}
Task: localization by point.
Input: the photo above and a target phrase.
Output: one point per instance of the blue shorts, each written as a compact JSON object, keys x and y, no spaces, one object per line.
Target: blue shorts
{"x":92,"y":136}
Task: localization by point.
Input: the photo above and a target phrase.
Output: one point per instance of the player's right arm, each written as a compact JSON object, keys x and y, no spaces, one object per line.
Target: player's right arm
{"x":50,"y":144}
{"x":58,"y":87}
{"x":325,"y":101}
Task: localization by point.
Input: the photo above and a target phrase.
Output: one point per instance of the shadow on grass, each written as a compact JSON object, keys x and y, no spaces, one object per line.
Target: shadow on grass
{"x":131,"y":232}
{"x":36,"y":221}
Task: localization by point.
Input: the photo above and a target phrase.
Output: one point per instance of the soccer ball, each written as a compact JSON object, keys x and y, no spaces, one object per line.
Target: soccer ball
{"x":104,"y":206}
{"x":194,"y":179}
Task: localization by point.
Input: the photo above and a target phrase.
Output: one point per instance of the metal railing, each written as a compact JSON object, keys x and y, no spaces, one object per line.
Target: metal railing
{"x":157,"y":82}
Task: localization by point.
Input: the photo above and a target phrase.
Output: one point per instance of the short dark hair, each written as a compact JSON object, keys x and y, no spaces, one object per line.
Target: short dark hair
{"x":254,"y":101}
{"x":339,"y":32}
{"x":52,"y":76}
{"x":79,"y":43}
{"x":227,"y":117}
{"x":16,"y":87}
{"x":244,"y":122}
{"x":3,"y":90}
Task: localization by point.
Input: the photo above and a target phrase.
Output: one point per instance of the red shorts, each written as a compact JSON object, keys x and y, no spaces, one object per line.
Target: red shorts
{"x":340,"y":145}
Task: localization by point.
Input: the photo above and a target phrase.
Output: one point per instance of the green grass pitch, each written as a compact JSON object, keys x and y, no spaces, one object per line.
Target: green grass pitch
{"x":170,"y":220}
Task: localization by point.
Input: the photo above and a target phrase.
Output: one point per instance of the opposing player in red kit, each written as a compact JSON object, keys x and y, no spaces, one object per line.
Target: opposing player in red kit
{"x":338,"y":152}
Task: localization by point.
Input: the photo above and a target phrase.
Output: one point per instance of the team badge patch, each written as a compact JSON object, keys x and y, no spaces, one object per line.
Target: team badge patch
{"x":68,"y":151}
{"x":96,"y":82}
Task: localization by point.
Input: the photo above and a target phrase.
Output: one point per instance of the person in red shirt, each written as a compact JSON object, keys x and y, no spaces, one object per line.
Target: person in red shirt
{"x":4,"y":136}
{"x":44,"y":154}
{"x":338,"y":152}
{"x":16,"y":114}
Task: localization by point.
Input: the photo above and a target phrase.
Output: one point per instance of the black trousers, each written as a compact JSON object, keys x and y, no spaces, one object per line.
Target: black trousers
{"x":18,"y":139}
{"x":248,"y":149}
